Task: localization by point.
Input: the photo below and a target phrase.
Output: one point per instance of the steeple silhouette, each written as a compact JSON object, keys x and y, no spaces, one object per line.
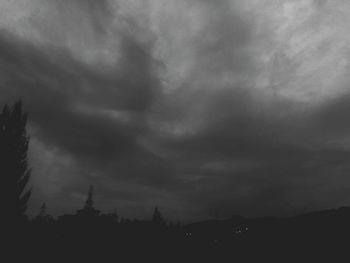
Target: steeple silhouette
{"x":90,"y":202}
{"x":89,"y":209}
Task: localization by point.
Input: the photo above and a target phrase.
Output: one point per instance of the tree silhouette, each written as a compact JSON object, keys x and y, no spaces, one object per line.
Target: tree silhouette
{"x":42,"y":210}
{"x":14,"y":170}
{"x":43,"y":217}
{"x":114,"y":216}
{"x":157,"y":217}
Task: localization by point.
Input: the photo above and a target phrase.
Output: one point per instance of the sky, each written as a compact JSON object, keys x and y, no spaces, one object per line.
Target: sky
{"x":203,"y":108}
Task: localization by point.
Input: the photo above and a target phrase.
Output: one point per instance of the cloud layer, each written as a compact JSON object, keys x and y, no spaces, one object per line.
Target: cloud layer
{"x":205,"y":108}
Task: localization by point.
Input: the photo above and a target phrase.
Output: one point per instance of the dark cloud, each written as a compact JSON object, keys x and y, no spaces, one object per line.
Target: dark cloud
{"x":94,"y":117}
{"x":175,"y":116}
{"x":259,"y":159}
{"x":60,"y":93}
{"x":332,"y":117}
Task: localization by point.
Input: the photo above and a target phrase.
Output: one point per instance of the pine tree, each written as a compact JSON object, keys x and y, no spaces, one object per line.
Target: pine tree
{"x":43,"y":217}
{"x":157,"y":217}
{"x":42,"y":212}
{"x":14,"y":170}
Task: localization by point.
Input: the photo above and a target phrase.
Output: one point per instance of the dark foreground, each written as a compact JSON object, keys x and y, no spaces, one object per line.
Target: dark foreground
{"x":315,"y":237}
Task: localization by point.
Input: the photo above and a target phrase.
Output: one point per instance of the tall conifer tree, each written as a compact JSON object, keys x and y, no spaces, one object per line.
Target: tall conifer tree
{"x":14,"y":170}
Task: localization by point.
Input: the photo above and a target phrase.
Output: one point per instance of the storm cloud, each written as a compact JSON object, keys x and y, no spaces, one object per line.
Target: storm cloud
{"x":204,"y":108}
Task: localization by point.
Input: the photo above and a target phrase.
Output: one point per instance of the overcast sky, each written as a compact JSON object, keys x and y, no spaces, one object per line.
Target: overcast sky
{"x":206,"y":108}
